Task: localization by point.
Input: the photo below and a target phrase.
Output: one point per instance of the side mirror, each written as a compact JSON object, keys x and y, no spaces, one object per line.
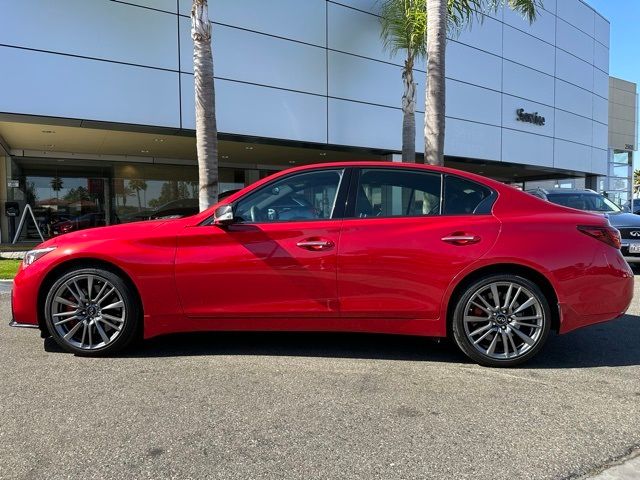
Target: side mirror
{"x":223,"y":215}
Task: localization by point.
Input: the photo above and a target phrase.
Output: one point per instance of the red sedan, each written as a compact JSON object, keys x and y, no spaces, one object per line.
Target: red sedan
{"x":359,"y":247}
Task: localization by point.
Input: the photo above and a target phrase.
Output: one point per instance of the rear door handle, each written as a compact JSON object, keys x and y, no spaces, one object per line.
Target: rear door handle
{"x":461,"y":238}
{"x":315,"y":245}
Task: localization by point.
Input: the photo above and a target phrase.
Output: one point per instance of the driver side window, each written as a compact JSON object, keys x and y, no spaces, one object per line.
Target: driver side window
{"x":298,"y":197}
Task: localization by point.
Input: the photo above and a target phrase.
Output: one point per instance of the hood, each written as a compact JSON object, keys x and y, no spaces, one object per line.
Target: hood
{"x":623,"y":219}
{"x":125,"y":230}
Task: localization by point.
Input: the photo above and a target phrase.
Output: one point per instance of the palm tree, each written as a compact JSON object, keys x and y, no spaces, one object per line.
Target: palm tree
{"x":206,"y":130}
{"x":636,"y":181}
{"x":404,"y":24}
{"x":136,"y":185}
{"x":56,"y":185}
{"x":452,"y":15}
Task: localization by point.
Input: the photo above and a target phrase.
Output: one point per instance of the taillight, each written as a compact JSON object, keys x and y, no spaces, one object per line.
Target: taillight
{"x":608,"y":235}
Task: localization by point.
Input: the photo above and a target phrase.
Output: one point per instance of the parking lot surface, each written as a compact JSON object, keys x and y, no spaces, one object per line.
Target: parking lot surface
{"x":241,"y":406}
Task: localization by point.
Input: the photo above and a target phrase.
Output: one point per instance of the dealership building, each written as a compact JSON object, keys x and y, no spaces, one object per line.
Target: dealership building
{"x":97,"y":104}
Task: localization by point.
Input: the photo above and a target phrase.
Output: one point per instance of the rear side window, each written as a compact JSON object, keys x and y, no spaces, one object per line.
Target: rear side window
{"x":464,"y":197}
{"x":397,"y":193}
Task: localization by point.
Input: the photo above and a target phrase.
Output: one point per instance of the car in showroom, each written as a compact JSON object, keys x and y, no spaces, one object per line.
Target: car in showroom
{"x":78,"y":222}
{"x":628,"y":224}
{"x":376,"y":247}
{"x":175,"y":209}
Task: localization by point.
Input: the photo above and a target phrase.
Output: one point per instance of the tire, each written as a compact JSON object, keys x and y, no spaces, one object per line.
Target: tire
{"x":99,"y":324}
{"x":506,"y":336}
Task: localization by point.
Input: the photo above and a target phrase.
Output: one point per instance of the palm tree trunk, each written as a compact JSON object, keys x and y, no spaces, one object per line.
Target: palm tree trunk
{"x":409,"y":114}
{"x":434,"y":118}
{"x":206,"y":130}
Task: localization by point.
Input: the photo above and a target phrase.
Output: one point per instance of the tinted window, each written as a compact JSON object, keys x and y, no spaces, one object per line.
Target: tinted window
{"x":390,"y":193}
{"x":304,"y":196}
{"x":584,"y":201}
{"x":464,"y":197}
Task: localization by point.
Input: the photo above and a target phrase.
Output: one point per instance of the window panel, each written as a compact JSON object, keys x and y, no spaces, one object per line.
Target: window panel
{"x":142,"y":192}
{"x":392,"y":193}
{"x":463,"y":197}
{"x":305,"y":196}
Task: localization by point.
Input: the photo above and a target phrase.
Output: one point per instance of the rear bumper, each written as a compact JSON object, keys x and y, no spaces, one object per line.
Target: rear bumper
{"x":601,"y":293}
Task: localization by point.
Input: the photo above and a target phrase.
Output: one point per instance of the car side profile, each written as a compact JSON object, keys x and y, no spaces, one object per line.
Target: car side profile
{"x":357,"y":247}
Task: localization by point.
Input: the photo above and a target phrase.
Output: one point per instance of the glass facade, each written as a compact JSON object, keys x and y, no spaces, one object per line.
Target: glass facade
{"x":617,"y":184}
{"x":67,"y":195}
{"x":144,"y":191}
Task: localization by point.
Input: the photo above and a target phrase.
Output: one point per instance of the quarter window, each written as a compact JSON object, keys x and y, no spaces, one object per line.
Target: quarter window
{"x":391,"y":193}
{"x":299,"y":197}
{"x":464,"y":197}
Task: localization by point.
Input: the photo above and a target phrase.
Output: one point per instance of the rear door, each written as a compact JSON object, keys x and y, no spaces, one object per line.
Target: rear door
{"x":403,"y":242}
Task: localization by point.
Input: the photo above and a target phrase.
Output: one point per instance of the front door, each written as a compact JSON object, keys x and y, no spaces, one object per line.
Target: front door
{"x":278,"y":259}
{"x":403,"y":244}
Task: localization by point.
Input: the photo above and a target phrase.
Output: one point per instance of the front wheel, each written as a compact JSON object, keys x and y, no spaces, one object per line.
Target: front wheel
{"x":91,"y":312}
{"x":501,"y":320}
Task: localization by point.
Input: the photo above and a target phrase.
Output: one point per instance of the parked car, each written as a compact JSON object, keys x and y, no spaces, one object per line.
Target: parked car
{"x":182,"y":207}
{"x":175,"y":209}
{"x":636,"y":206}
{"x":358,"y":246}
{"x":80,"y":222}
{"x":583,"y":199}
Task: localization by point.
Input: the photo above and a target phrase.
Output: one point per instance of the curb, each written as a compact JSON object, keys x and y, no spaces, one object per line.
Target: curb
{"x":625,"y":468}
{"x":12,"y":255}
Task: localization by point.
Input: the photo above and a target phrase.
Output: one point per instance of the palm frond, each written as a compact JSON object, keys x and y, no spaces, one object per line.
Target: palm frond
{"x":527,"y":8}
{"x":404,"y":26}
{"x":463,"y":13}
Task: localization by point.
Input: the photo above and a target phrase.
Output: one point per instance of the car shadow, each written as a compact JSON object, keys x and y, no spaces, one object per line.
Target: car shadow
{"x":611,"y":344}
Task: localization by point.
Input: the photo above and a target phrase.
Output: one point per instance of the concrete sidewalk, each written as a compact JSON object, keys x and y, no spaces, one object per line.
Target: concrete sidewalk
{"x":628,"y":469}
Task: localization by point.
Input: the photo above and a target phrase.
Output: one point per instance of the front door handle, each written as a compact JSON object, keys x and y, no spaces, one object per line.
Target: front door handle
{"x":461,"y":238}
{"x":316,"y":244}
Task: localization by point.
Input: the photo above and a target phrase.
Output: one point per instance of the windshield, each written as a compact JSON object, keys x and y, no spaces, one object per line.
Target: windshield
{"x":592,"y":202}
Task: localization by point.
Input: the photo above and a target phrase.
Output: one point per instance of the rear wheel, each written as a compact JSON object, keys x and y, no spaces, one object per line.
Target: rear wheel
{"x":91,"y":312}
{"x":501,"y":320}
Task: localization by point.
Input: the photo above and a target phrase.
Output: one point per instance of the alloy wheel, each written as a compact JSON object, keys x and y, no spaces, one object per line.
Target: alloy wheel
{"x":503,"y":320}
{"x":88,"y":312}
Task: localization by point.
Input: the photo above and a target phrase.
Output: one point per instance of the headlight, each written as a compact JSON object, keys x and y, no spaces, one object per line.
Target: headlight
{"x":33,"y":255}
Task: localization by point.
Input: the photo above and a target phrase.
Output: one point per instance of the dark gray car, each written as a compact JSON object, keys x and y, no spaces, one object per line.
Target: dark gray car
{"x":582,"y":199}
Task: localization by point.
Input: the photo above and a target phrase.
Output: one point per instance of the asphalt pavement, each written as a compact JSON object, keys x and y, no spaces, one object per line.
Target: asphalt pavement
{"x":291,"y":406}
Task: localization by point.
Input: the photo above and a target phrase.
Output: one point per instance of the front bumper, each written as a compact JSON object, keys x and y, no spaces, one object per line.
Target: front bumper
{"x":24,"y":295}
{"x":630,"y":257}
{"x":13,"y":323}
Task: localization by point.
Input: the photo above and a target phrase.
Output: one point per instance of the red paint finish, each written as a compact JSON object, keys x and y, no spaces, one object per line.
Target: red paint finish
{"x":387,"y":275}
{"x":251,"y":270}
{"x":400,"y":267}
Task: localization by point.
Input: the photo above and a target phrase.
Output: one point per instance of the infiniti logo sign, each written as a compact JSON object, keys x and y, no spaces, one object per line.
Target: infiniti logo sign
{"x":635,"y":233}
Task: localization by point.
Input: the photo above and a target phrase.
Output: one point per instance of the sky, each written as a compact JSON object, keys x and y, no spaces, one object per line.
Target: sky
{"x":624,"y":50}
